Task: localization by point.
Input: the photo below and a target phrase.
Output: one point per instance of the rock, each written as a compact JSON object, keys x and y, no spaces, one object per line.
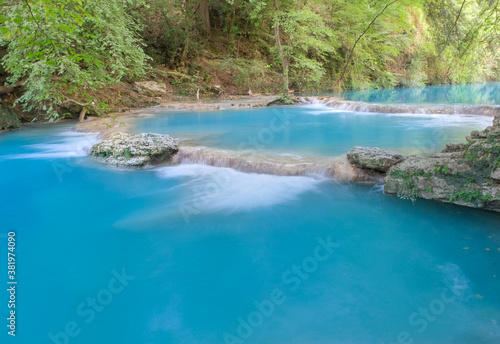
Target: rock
{"x":373,"y":158}
{"x":216,"y":90}
{"x":453,"y":147}
{"x":122,"y":149}
{"x":495,"y":174}
{"x":8,"y":119}
{"x":339,"y":169}
{"x":285,"y":101}
{"x":150,"y":88}
{"x":467,"y":175}
{"x":474,"y":134}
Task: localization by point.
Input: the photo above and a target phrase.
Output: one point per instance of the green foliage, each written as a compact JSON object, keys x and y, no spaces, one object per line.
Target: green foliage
{"x":474,"y":196}
{"x":64,"y":49}
{"x":249,"y":73}
{"x":466,"y":38}
{"x":308,"y":40}
{"x":409,"y":187}
{"x":441,"y":169}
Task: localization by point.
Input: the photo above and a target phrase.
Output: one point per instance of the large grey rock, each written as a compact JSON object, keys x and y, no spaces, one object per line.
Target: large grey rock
{"x":373,"y":158}
{"x":467,"y":175}
{"x":8,"y":119}
{"x":150,"y":88}
{"x":122,"y":149}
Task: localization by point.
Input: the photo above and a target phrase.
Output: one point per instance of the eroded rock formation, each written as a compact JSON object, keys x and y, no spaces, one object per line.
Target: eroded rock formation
{"x":465,"y":174}
{"x":373,"y":158}
{"x":122,"y":149}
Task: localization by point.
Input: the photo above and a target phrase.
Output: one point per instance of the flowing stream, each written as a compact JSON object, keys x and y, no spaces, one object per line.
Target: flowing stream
{"x":204,"y":254}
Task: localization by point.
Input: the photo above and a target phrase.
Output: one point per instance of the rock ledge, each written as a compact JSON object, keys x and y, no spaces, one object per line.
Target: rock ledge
{"x":464,"y":174}
{"x":373,"y":158}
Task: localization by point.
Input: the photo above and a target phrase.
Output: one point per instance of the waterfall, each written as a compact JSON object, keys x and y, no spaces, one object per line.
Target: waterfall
{"x":280,"y":165}
{"x":339,"y":104}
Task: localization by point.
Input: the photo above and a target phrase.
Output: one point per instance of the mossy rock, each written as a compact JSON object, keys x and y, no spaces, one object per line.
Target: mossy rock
{"x":8,"y":119}
{"x":467,"y":174}
{"x":140,"y":150}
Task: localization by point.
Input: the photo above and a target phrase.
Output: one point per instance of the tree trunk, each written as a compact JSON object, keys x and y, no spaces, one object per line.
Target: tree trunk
{"x":284,"y":60}
{"x":203,"y":12}
{"x":82,"y":114}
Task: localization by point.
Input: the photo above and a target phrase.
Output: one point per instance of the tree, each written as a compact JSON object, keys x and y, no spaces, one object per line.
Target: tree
{"x":304,"y":39}
{"x":61,"y":50}
{"x":351,"y":51}
{"x":283,"y":58}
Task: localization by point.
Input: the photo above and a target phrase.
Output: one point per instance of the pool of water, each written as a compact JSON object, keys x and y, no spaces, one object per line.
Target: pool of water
{"x":199,"y":254}
{"x":313,"y":129}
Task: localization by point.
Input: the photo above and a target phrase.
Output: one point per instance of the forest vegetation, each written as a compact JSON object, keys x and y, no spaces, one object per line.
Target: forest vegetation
{"x":59,"y":52}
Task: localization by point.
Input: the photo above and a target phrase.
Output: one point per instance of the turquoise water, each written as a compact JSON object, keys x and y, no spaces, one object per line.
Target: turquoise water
{"x":484,"y":94}
{"x":313,"y":130}
{"x":198,"y":254}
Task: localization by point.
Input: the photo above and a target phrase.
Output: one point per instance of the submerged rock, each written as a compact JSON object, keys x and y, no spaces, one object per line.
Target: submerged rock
{"x":374,"y":158}
{"x":8,"y":119}
{"x":122,"y":149}
{"x":464,"y":174}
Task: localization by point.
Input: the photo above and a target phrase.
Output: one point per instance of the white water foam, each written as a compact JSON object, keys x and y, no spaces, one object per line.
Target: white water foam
{"x":214,"y":189}
{"x":65,"y":144}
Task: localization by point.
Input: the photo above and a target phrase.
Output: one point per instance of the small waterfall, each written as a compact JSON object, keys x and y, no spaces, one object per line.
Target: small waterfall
{"x":280,"y":165}
{"x":339,"y":104}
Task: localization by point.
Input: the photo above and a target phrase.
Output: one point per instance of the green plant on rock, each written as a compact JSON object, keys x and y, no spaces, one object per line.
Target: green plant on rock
{"x":408,"y":188}
{"x":442,"y":169}
{"x":470,"y":196}
{"x":488,"y":197}
{"x":285,"y":99}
